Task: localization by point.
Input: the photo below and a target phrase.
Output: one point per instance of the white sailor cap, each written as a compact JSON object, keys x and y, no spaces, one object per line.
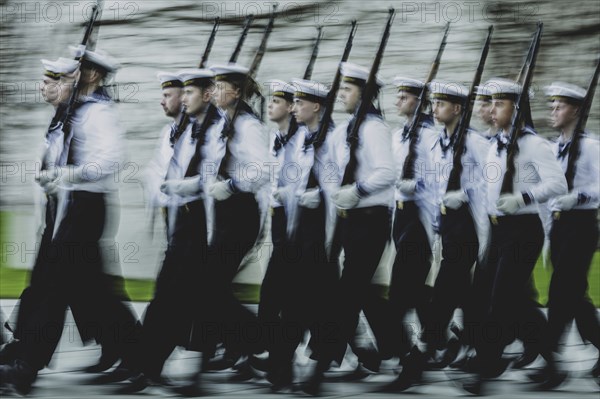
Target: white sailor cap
{"x":310,"y":90}
{"x":356,"y":74}
{"x":408,"y":85}
{"x":168,"y":79}
{"x":483,"y":93}
{"x":565,"y":92}
{"x":504,"y":89}
{"x":97,"y":58}
{"x":196,"y":77}
{"x":280,"y":88}
{"x":229,"y":72}
{"x":448,"y":91}
{"x":55,"y":69}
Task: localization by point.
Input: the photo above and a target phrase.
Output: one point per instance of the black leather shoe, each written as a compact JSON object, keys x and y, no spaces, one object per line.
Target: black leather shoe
{"x":474,"y":386}
{"x":192,"y":390}
{"x":9,"y":352}
{"x":106,"y":361}
{"x":555,"y":378}
{"x":19,"y":375}
{"x":525,"y":359}
{"x":369,"y":358}
{"x":134,"y":385}
{"x":596,"y":370}
{"x":227,"y":361}
{"x":412,"y":371}
{"x":117,"y":375}
{"x":258,"y":363}
{"x":312,"y":387}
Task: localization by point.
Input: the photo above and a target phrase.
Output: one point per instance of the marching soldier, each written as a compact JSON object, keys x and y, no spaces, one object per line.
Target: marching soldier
{"x":185,"y":258}
{"x":413,"y":218}
{"x":364,"y":215}
{"x":241,"y":151}
{"x":75,"y":278}
{"x":310,"y":267}
{"x":284,"y":147}
{"x":461,"y":216}
{"x":516,"y":234}
{"x":574,"y":232}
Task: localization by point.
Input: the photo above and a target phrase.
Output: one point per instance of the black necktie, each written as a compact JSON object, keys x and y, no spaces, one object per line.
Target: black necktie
{"x":563,"y":149}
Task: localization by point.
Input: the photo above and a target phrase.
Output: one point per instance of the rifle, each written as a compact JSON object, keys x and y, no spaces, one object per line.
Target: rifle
{"x":517,"y":118}
{"x":184,"y":118}
{"x":242,"y":39}
{"x":313,"y":56}
{"x":260,"y":52}
{"x":409,"y":163}
{"x":584,"y":113}
{"x":465,"y":119}
{"x":368,"y":94}
{"x":63,"y":112}
{"x":293,"y":128}
{"x":331,"y":96}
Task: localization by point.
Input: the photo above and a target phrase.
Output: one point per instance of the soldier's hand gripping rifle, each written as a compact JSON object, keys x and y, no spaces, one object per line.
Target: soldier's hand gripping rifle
{"x":521,"y":106}
{"x":184,"y":118}
{"x":465,"y":120}
{"x":408,"y":171}
{"x":293,"y":128}
{"x":584,"y":113}
{"x":368,"y":95}
{"x":63,"y":111}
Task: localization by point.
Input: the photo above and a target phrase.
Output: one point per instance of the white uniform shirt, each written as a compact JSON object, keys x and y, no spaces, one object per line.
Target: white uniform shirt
{"x":156,"y":171}
{"x":97,"y":145}
{"x":537,"y":173}
{"x":375,"y":171}
{"x":472,"y":179}
{"x":587,"y":171}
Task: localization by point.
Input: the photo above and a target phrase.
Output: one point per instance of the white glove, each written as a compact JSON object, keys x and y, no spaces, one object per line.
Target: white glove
{"x":220,"y":190}
{"x":47,"y":176}
{"x":566,"y":202}
{"x":346,"y":197}
{"x":407,"y":187}
{"x":280,"y":195}
{"x":181,"y":187}
{"x":455,"y":199}
{"x":310,"y":199}
{"x":510,"y":203}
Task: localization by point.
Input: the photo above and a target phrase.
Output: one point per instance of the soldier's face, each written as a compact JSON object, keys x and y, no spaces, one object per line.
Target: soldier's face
{"x":171,"y":101}
{"x":349,"y":95}
{"x":484,"y":111}
{"x":195,"y":99}
{"x":50,"y":90}
{"x":225,"y":94}
{"x":279,"y":109}
{"x":502,"y":111}
{"x":445,"y":111}
{"x":406,"y":103}
{"x":562,"y":114}
{"x":305,"y":111}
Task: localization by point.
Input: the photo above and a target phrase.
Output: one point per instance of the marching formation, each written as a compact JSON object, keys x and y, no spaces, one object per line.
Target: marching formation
{"x":336,"y":195}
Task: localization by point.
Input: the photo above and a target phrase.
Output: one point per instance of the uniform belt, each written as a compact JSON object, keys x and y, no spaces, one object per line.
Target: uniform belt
{"x":369,"y":210}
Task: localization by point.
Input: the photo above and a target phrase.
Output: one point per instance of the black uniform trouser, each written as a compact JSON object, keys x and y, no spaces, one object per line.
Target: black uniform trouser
{"x":168,"y":317}
{"x":309,"y":286}
{"x":237,"y":223}
{"x":460,"y":248}
{"x":515,"y":246}
{"x":573,"y":241}
{"x":73,"y":277}
{"x":409,"y":272}
{"x":364,"y":234}
{"x":275,"y":282}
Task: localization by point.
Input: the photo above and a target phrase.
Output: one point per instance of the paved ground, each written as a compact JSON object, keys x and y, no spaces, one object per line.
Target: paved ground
{"x":63,"y":379}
